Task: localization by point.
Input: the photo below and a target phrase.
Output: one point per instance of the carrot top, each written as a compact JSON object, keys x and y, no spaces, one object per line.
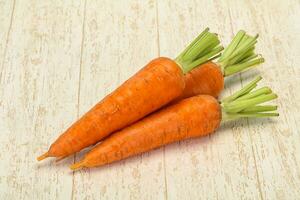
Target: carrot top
{"x":204,"y":48}
{"x":239,"y":55}
{"x":246,"y":102}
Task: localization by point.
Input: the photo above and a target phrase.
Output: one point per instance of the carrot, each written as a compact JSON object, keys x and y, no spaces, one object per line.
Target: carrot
{"x":155,"y":85}
{"x":208,"y":78}
{"x":205,"y":79}
{"x":192,"y":117}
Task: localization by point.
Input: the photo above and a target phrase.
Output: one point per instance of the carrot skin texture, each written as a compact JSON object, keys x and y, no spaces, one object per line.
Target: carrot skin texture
{"x":204,"y":79}
{"x":156,"y":84}
{"x":192,"y":117}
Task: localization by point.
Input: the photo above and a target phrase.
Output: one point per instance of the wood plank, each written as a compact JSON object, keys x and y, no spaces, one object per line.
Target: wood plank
{"x":119,"y":38}
{"x":220,"y":166}
{"x":58,"y":58}
{"x":6,"y":15}
{"x":38,"y":97}
{"x":276,"y":143}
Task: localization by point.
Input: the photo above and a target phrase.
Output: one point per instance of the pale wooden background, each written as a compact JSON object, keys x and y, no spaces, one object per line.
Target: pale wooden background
{"x":58,"y":58}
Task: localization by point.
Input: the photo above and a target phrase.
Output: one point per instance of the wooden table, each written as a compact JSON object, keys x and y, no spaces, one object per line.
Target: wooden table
{"x":58,"y":58}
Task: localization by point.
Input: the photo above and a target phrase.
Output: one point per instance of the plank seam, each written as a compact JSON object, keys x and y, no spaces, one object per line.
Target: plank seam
{"x":7,"y":38}
{"x":78,"y":92}
{"x":158,"y":51}
{"x":247,"y":121}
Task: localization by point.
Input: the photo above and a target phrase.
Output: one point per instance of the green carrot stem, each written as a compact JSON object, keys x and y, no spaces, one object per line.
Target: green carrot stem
{"x":245,"y":103}
{"x":243,"y":56}
{"x":245,"y":46}
{"x":244,"y":90}
{"x":228,"y":117}
{"x":238,"y":106}
{"x":204,"y":48}
{"x":239,"y":55}
{"x":208,"y":50}
{"x":204,"y":58}
{"x":215,"y":57}
{"x":258,"y":115}
{"x":199,"y":48}
{"x":260,"y":109}
{"x":263,"y":90}
{"x":241,"y":67}
{"x":193,"y":42}
{"x":249,"y":57}
{"x":232,"y":46}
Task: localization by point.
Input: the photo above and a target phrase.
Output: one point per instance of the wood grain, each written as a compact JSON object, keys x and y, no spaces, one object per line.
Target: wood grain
{"x":276,"y":143}
{"x":213,"y":167}
{"x":38,"y":96}
{"x":59,"y":58}
{"x":6,"y":17}
{"x":119,"y":38}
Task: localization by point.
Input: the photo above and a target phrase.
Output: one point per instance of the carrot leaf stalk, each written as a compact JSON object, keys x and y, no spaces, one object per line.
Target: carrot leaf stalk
{"x":247,"y":103}
{"x":204,"y":48}
{"x":239,"y":55}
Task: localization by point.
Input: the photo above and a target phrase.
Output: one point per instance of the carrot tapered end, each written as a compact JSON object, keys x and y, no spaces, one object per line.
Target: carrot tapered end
{"x":42,"y":157}
{"x":77,"y":165}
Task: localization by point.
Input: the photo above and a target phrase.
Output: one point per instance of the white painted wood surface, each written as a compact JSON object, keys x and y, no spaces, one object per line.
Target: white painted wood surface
{"x":58,"y":58}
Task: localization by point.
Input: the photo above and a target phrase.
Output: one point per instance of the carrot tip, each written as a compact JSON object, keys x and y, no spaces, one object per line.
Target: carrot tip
{"x":42,"y":157}
{"x":77,"y":165}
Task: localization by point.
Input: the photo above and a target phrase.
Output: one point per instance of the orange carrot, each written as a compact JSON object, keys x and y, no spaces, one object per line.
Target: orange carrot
{"x":209,"y":77}
{"x":205,"y":79}
{"x":155,"y":85}
{"x":192,"y":117}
